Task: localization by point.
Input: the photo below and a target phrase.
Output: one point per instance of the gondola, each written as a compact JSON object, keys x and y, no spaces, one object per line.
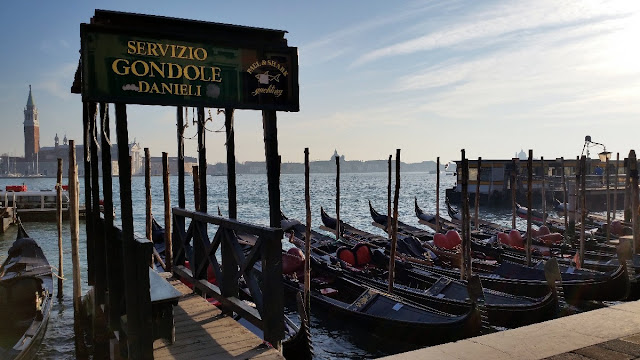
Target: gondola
{"x":430,"y":219}
{"x":420,"y":286}
{"x":26,"y":285}
{"x":579,"y":284}
{"x":387,"y":316}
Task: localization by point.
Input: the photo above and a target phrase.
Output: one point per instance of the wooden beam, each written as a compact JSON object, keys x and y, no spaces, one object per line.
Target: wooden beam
{"x":272,"y":255}
{"x":113,"y":247}
{"x":231,"y":163}
{"x":137,"y":296}
{"x":202,"y":160}
{"x":88,"y":111}
{"x":168,"y":255}
{"x":180,"y":125}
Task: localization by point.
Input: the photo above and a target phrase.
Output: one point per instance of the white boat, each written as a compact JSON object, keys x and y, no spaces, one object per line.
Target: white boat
{"x":35,"y":205}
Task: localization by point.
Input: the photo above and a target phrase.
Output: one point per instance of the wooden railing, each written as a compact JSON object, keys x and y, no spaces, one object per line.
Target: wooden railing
{"x":265,"y":286}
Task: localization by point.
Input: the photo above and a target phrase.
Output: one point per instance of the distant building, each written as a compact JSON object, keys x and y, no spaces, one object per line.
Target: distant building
{"x":31,"y":129}
{"x":44,"y":161}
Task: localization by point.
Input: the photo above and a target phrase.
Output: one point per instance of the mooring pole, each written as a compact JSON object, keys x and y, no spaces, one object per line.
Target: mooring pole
{"x":389,"y":208}
{"x":394,"y":236}
{"x":544,"y":195}
{"x":307,"y":235}
{"x":147,"y":188}
{"x":633,"y":175}
{"x":529,"y":204}
{"x":231,"y":163}
{"x":180,"y":123}
{"x":565,"y":203}
{"x":168,"y":253}
{"x":74,"y":227}
{"x":337,"y":197}
{"x":196,"y":187}
{"x":477,"y":202}
{"x":514,"y":185}
{"x":627,"y":192}
{"x":606,"y":173}
{"x":437,"y":194}
{"x":583,"y":204}
{"x":465,"y":215}
{"x":59,"y":225}
{"x":615,"y":189}
{"x":202,"y":161}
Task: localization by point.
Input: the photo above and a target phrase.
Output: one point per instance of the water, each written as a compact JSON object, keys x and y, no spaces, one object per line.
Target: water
{"x":333,"y":338}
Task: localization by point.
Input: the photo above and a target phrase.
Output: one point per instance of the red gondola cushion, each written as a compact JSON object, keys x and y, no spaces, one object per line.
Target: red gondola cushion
{"x":345,"y":254}
{"x":363,"y":254}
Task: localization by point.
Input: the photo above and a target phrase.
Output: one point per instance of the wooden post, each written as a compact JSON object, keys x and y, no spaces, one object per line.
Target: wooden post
{"x":74,"y":225}
{"x":633,"y":175}
{"x":99,"y":255}
{"x":583,"y":205}
{"x":114,"y":272}
{"x":307,"y":235}
{"x":529,"y":204}
{"x":615,"y":189}
{"x":394,"y":236}
{"x":465,"y":213}
{"x":273,"y":289}
{"x":168,"y":254}
{"x":196,"y":187}
{"x":477,"y":202}
{"x":231,"y":163}
{"x":147,"y":188}
{"x":514,"y":185}
{"x":544,"y":195}
{"x":627,"y":192}
{"x":337,"y":197}
{"x":180,"y":123}
{"x":389,"y":208}
{"x":89,"y":111}
{"x":606,"y":173}
{"x":202,"y":161}
{"x":437,"y":194}
{"x":564,"y":199}
{"x":137,"y":296}
{"x":59,"y":225}
{"x":100,"y":336}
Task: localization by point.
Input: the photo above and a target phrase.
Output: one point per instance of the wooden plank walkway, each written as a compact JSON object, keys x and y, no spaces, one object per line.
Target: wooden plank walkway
{"x":203,"y":332}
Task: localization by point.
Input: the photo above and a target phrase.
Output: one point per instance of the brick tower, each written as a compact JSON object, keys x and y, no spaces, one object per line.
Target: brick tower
{"x":31,"y":129}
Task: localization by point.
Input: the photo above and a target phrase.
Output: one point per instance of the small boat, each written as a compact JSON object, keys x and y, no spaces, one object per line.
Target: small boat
{"x":26,"y":285}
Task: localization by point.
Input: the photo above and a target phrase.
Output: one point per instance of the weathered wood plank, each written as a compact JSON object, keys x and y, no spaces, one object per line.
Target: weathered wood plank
{"x":202,"y":331}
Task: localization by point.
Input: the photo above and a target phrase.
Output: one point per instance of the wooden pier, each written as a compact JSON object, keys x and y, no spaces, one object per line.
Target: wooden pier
{"x":203,"y":332}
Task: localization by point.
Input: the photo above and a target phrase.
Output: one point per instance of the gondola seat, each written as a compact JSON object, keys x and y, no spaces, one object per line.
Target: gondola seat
{"x":347,"y":255}
{"x":359,"y":256}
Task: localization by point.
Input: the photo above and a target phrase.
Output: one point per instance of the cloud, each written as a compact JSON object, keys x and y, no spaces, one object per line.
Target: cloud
{"x":502,"y":20}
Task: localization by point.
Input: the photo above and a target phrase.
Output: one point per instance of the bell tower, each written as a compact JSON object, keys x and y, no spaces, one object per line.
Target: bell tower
{"x":31,"y":129}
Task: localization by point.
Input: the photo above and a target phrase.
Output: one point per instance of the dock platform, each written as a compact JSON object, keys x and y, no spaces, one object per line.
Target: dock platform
{"x":608,"y":333}
{"x":204,"y":332}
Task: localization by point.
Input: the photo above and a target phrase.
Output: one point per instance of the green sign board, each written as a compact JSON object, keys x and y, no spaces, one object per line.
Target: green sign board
{"x":132,"y":69}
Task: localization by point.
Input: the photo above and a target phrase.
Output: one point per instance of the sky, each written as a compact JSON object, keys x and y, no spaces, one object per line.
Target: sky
{"x":427,"y":77}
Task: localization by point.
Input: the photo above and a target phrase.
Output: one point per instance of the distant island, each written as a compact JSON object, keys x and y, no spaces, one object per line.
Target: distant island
{"x":353,"y":166}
